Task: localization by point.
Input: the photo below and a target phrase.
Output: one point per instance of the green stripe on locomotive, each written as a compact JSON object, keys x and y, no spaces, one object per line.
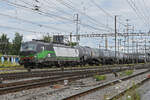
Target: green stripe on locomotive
{"x":44,"y":54}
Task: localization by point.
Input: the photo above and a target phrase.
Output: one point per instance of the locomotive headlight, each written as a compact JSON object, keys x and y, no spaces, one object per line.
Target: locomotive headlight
{"x":49,"y":55}
{"x":35,"y":56}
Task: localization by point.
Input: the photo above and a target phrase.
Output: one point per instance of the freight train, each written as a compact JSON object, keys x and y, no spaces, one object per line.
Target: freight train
{"x":38,"y":54}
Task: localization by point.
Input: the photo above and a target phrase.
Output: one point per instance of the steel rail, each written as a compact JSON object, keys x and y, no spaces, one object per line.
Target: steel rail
{"x":39,"y":73}
{"x":29,"y":84}
{"x":75,"y":96}
{"x":22,"y":75}
{"x":122,"y":93}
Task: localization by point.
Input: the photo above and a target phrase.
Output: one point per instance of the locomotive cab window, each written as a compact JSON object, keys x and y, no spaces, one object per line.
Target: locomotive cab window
{"x":28,"y":46}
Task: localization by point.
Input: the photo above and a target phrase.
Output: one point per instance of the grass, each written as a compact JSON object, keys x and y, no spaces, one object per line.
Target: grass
{"x":133,"y":95}
{"x":129,"y":72}
{"x":9,"y":65}
{"x":100,"y":77}
{"x":6,"y":72}
{"x":126,"y":73}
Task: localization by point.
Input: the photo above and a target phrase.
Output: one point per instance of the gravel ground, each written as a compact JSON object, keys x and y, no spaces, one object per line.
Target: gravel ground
{"x":144,"y":91}
{"x":146,"y":96}
{"x":50,"y":93}
{"x":108,"y":92}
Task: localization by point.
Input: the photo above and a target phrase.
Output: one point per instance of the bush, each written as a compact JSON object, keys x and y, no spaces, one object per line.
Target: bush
{"x":100,"y":77}
{"x":129,"y":72}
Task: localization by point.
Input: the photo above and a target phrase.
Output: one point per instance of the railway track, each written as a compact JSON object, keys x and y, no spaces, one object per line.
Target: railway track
{"x":23,"y":75}
{"x":52,"y":79}
{"x":29,"y":84}
{"x":122,"y":93}
{"x":98,"y":88}
{"x":49,"y":78}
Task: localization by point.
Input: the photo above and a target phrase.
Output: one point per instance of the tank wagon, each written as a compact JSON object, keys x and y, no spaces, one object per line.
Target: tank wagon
{"x":38,"y":54}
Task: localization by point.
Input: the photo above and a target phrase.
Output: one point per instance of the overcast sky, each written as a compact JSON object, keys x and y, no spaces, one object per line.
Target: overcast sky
{"x":57,"y":16}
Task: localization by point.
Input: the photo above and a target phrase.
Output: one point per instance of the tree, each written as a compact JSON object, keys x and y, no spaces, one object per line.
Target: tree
{"x":17,"y":44}
{"x":47,"y":38}
{"x":10,"y":48}
{"x":73,"y":43}
{"x":4,"y":44}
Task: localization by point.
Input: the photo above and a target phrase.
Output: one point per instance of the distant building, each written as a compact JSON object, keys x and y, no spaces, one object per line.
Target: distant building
{"x":58,"y":39}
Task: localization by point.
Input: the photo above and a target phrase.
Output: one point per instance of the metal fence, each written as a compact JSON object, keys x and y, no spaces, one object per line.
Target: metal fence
{"x":9,"y":59}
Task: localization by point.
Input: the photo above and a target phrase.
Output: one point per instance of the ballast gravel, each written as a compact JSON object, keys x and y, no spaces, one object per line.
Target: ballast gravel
{"x":108,"y":92}
{"x":49,"y":93}
{"x":144,"y":91}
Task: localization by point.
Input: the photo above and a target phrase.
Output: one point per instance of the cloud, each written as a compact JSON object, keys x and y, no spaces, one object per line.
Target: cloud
{"x":88,"y":14}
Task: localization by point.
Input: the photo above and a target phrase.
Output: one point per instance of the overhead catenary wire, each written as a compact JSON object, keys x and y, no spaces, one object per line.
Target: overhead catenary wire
{"x":35,"y":11}
{"x":98,"y":6}
{"x":75,"y":9}
{"x":133,"y":6}
{"x":47,"y":5}
{"x":31,"y":22}
{"x":84,"y":24}
{"x":20,"y":29}
{"x":103,"y":10}
{"x":60,"y":10}
{"x":57,"y":7}
{"x":145,"y":11}
{"x":47,"y":14}
{"x":140,"y":10}
{"x":26,"y":3}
